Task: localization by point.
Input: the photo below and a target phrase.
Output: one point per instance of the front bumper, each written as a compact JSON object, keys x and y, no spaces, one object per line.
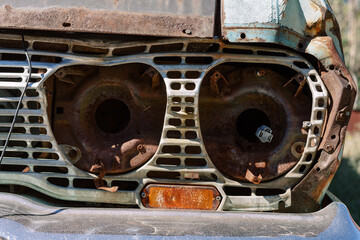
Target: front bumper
{"x":22,"y":218}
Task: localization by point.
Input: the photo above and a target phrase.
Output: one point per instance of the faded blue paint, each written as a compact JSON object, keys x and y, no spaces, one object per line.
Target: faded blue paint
{"x":292,"y":23}
{"x":270,"y":35}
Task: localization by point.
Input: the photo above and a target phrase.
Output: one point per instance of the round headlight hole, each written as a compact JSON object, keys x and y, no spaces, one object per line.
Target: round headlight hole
{"x":112,"y":116}
{"x":249,"y":121}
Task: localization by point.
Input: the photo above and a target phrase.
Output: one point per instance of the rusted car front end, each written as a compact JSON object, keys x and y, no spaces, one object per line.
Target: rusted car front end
{"x":180,"y":105}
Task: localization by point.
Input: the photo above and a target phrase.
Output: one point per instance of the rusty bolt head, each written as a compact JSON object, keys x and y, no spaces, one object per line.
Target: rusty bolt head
{"x":260,"y":73}
{"x":299,"y":149}
{"x":141,"y":148}
{"x":72,"y":153}
{"x":329,"y":148}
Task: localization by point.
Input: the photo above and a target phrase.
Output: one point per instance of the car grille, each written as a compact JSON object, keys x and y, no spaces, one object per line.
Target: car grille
{"x":48,"y":170}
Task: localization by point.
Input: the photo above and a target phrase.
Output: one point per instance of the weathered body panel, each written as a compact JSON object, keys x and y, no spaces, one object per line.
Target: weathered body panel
{"x":24,"y":219}
{"x":287,"y":22}
{"x":191,"y":18}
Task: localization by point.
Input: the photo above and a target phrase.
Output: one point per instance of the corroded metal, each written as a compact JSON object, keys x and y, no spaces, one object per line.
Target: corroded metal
{"x":182,"y":156}
{"x":289,"y":23}
{"x":301,"y":80}
{"x":343,"y":89}
{"x":188,"y":18}
{"x":213,"y":86}
{"x":233,"y":117}
{"x":112,"y":115}
{"x":301,"y":184}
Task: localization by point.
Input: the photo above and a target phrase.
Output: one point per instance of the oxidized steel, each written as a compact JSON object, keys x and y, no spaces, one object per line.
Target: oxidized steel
{"x":85,"y":116}
{"x":311,"y":190}
{"x":189,"y":18}
{"x":289,"y":23}
{"x":243,"y":157}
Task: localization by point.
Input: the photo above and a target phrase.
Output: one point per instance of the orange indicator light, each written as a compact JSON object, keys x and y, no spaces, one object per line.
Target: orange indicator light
{"x":180,"y":197}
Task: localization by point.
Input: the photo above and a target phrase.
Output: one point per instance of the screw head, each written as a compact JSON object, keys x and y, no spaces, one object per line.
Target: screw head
{"x":299,"y":149}
{"x":218,"y":198}
{"x":143,"y":194}
{"x":329,"y":148}
{"x":187,"y":31}
{"x":260,"y":72}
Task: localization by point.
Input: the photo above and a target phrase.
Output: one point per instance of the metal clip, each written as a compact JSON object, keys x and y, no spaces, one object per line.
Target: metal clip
{"x":264,"y":133}
{"x":301,"y":80}
{"x":214,"y":88}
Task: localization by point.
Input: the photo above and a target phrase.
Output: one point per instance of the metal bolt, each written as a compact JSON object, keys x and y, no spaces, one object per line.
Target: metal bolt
{"x":218,"y":198}
{"x":297,"y":149}
{"x":143,"y":194}
{"x":187,"y":31}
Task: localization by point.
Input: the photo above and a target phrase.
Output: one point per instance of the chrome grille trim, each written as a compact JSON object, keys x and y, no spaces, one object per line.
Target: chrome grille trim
{"x":38,"y":180}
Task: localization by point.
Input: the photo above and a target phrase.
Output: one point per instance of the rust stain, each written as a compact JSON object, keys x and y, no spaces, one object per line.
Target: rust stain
{"x":241,"y":156}
{"x":341,"y":87}
{"x":301,"y":80}
{"x":252,"y":178}
{"x":104,"y":116}
{"x":86,"y":20}
{"x":214,"y":88}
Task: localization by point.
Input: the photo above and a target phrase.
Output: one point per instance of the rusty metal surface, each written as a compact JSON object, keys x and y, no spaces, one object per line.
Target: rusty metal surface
{"x":180,"y":158}
{"x":112,"y":115}
{"x":300,"y":161}
{"x":289,"y":23}
{"x":343,"y":90}
{"x":253,"y":97}
{"x":180,"y":18}
{"x":305,"y":196}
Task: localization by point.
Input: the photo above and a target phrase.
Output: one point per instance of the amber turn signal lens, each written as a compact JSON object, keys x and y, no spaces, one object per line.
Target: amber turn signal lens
{"x":180,"y":197}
